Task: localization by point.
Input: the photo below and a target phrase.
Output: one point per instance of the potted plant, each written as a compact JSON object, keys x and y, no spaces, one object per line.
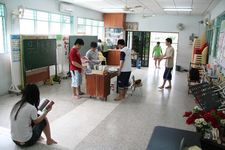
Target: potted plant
{"x":207,"y":121}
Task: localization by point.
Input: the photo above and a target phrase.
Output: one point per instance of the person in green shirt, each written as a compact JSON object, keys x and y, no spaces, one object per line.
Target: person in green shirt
{"x":156,"y":54}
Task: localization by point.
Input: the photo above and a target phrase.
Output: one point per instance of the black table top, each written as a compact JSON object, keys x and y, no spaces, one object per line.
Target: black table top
{"x":165,"y":138}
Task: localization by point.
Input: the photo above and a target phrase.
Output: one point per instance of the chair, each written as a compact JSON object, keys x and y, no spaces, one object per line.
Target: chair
{"x":195,"y":74}
{"x":206,"y":97}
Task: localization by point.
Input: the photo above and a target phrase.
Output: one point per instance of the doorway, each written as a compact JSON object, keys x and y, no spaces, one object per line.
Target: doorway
{"x":160,"y":37}
{"x":139,"y":43}
{"x":142,"y":43}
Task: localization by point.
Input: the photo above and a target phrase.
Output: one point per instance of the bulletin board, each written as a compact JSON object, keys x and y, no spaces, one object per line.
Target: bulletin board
{"x":221,"y":45}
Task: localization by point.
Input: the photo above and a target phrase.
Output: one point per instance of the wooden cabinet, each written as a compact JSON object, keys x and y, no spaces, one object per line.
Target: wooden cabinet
{"x":98,"y":85}
{"x":114,"y":20}
{"x":103,"y":82}
{"x":37,"y":75}
{"x":113,"y":57}
{"x":91,"y":83}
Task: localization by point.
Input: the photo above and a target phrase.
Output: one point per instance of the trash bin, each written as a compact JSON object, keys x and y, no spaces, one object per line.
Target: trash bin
{"x":138,"y":63}
{"x":178,"y":68}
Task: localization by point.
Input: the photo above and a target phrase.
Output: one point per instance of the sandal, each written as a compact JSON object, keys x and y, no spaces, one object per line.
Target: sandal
{"x":161,"y":87}
{"x":118,"y":99}
{"x":168,"y":87}
{"x":81,"y":93}
{"x":77,"y":97}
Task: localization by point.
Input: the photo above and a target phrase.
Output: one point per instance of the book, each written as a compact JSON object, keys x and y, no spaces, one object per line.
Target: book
{"x":45,"y":105}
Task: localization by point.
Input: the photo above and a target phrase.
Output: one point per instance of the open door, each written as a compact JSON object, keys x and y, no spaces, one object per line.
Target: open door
{"x":139,"y":43}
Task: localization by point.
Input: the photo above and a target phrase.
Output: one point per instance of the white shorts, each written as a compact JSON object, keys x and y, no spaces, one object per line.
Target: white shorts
{"x":76,"y":78}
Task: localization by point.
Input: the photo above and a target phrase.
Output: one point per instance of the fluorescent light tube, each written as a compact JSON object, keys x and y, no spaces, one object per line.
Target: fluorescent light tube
{"x":177,"y":9}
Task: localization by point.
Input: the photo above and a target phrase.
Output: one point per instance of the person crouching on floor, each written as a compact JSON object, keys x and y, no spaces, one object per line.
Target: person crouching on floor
{"x":26,"y":125}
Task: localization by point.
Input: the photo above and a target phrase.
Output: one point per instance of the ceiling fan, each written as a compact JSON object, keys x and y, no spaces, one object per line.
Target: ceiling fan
{"x":127,"y":8}
{"x":144,"y":15}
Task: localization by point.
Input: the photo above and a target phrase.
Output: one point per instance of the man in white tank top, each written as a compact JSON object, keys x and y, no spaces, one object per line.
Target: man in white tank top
{"x":124,"y":70}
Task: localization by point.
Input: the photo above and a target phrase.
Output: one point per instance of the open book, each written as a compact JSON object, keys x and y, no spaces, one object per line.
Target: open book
{"x":45,"y":105}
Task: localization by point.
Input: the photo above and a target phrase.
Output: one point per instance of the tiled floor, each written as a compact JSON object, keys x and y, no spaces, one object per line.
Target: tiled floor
{"x":94,"y":124}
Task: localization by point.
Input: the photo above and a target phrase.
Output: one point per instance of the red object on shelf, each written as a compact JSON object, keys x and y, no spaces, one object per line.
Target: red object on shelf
{"x":197,"y":51}
{"x":203,"y":47}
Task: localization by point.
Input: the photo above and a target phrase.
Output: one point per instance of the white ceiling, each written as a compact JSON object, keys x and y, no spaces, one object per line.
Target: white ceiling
{"x":149,"y":7}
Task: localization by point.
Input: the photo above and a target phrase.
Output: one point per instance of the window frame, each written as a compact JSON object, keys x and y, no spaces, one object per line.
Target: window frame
{"x":4,"y":30}
{"x":61,"y":21}
{"x":99,"y":24}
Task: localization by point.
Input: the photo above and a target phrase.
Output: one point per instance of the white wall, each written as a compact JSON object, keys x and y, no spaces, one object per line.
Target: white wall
{"x":5,"y":73}
{"x":169,"y":24}
{"x":45,"y":5}
{"x":220,"y":8}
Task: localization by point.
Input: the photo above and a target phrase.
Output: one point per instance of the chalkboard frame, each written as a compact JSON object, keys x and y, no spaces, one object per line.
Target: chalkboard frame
{"x":30,"y":59}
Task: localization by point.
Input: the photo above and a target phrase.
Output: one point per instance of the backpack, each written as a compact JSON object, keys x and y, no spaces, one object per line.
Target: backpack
{"x":194,"y":74}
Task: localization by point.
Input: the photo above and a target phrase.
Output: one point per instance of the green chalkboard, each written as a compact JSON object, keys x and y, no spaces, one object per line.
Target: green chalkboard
{"x":87,"y":41}
{"x":39,"y":53}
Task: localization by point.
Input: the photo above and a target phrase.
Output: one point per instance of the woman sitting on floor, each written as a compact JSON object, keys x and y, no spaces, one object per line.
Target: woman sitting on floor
{"x":26,"y":125}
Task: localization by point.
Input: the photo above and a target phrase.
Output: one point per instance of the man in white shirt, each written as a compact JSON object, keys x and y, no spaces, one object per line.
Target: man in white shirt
{"x":124,"y":70}
{"x":169,"y":56}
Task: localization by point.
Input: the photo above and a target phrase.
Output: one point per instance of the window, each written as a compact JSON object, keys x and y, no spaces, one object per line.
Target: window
{"x":54,"y":28}
{"x":40,"y":22}
{"x":88,"y":30}
{"x":95,"y":30}
{"x":2,"y":29}
{"x":209,"y":37}
{"x":27,"y":22}
{"x":27,"y":26}
{"x":42,"y":27}
{"x":66,"y":20}
{"x":90,"y":27}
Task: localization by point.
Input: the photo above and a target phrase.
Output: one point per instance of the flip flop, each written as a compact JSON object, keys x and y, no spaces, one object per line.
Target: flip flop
{"x":81,"y":93}
{"x":77,"y":97}
{"x":118,"y":99}
{"x":168,"y":87}
{"x":161,"y":87}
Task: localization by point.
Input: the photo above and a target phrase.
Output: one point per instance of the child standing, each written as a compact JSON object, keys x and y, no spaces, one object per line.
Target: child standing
{"x":156,"y":54}
{"x":76,"y":67}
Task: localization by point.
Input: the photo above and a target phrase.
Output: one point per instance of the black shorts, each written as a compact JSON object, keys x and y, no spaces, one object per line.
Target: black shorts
{"x":123,"y":80}
{"x":37,"y":130}
{"x":167,"y":74}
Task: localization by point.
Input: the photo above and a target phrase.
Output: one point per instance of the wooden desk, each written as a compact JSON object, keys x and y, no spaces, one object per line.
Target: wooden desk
{"x":98,"y":85}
